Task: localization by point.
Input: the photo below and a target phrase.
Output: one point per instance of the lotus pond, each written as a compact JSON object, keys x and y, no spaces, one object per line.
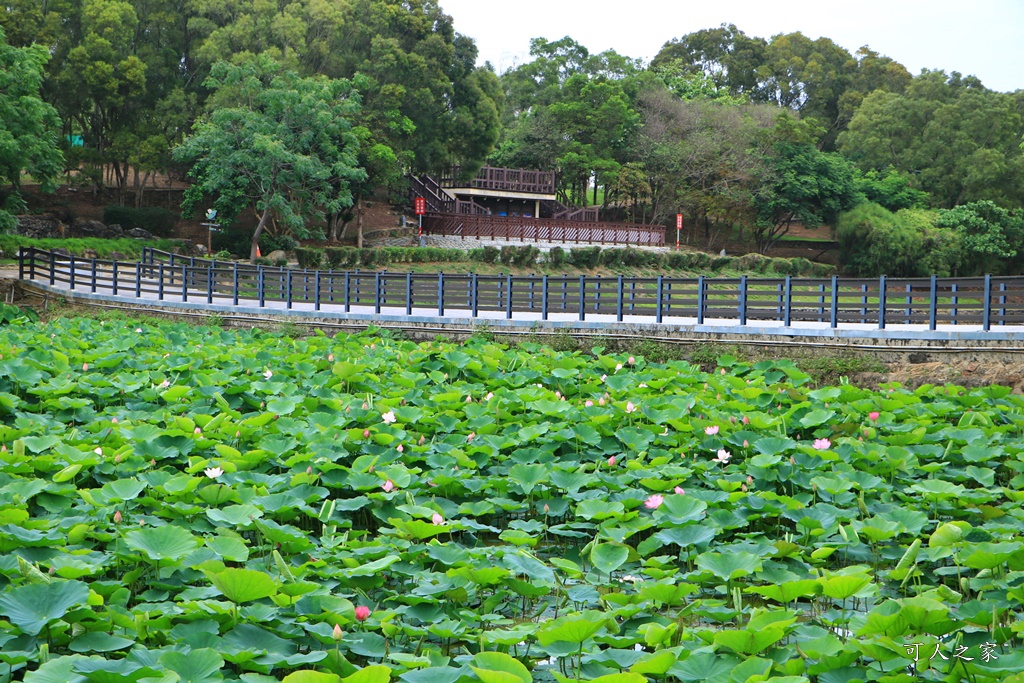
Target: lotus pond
{"x":192,"y":504}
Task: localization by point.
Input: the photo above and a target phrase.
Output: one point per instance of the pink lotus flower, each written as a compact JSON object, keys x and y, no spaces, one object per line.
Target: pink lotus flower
{"x":679,"y":491}
{"x":336,"y":633}
{"x":600,"y":401}
{"x":471,"y":436}
{"x":723,"y":456}
{"x":469,"y":399}
{"x":873,"y":415}
{"x":750,"y":479}
{"x":654,"y":502}
{"x":547,"y":508}
{"x":611,"y":461}
{"x":712,"y":430}
{"x":388,"y":486}
{"x":113,"y":420}
{"x":746,"y":420}
{"x":630,"y":407}
{"x":489,"y":396}
{"x":388,"y":417}
{"x":268,"y":374}
{"x":588,"y":404}
{"x":822,"y":444}
{"x":85,"y":367}
{"x":366,"y":433}
{"x":422,"y":439}
{"x":746,"y":444}
{"x":197,"y":430}
{"x":362,"y":613}
{"x":164,"y":384}
{"x":330,"y":357}
{"x":117,"y":517}
{"x":401,"y":448}
{"x":631,"y":360}
{"x":437,"y":519}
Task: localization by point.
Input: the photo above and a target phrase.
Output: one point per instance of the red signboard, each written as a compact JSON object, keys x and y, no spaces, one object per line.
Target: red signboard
{"x":679,"y":221}
{"x":420,"y":205}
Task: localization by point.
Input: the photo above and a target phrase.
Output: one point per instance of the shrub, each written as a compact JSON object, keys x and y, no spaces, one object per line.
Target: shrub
{"x":310,"y":258}
{"x":556,"y":257}
{"x":585,"y":258}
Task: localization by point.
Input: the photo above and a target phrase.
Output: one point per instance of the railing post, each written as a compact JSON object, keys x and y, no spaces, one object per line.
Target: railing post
{"x":92,"y":263}
{"x":881,"y":302}
{"x":583,"y":297}
{"x":956,"y":300}
{"x":864,"y":304}
{"x":72,"y":271}
{"x":376,"y":292}
{"x":909,"y":310}
{"x":316,"y":290}
{"x":743,"y":300}
{"x":474,"y":295}
{"x":184,"y":282}
{"x":113,"y":277}
{"x":21,"y":263}
{"x":597,"y":295}
{"x":834,"y":314}
{"x":544,"y":297}
{"x":986,"y":311}
{"x":533,"y":283}
{"x":160,"y":283}
{"x":408,"y":293}
{"x":508,"y":293}
{"x":787,"y":304}
{"x":440,"y":294}
{"x":700,"y":299}
{"x":31,"y":264}
{"x":933,"y":303}
{"x":348,"y":290}
{"x":1002,"y":303}
{"x":618,"y":300}
{"x":288,"y":288}
{"x":138,"y":280}
{"x":234,"y":284}
{"x":261,"y":293}
{"x":657,"y":310}
{"x":211,"y":273}
{"x":53,"y":269}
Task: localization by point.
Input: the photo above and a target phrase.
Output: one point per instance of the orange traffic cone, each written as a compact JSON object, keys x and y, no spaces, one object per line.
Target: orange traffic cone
{"x":258,"y":254}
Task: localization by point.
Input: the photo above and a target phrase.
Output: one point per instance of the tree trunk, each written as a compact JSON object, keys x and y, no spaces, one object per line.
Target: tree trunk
{"x":138,"y":191}
{"x":254,"y":245}
{"x":359,"y":224}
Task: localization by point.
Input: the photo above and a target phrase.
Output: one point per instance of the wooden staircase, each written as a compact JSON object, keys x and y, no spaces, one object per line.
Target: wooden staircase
{"x":438,"y":201}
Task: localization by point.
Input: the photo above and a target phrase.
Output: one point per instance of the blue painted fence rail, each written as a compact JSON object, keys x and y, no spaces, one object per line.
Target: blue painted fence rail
{"x":978,"y":301}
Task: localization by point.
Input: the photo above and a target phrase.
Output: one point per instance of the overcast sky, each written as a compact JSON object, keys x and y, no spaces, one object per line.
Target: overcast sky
{"x":980,"y":37}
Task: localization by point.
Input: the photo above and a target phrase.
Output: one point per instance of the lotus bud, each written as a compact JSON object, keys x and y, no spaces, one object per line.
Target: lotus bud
{"x":370,"y":470}
{"x":746,"y":444}
{"x":366,"y":433}
{"x":746,"y":420}
{"x":362,"y":613}
{"x":197,"y":430}
{"x":743,"y":487}
{"x":422,"y":439}
{"x":330,"y":357}
{"x":238,"y":434}
{"x":611,"y":461}
{"x":263,"y":404}
{"x":471,"y":436}
{"x":401,"y":448}
{"x":113,"y":420}
{"x":117,"y":458}
{"x":85,"y":367}
{"x":733,"y":419}
{"x":336,"y":633}
{"x":117,"y":517}
{"x":98,"y":451}
{"x":348,"y":409}
{"x":309,"y":470}
{"x":631,"y":360}
{"x":547,"y":508}
{"x":365,"y":406}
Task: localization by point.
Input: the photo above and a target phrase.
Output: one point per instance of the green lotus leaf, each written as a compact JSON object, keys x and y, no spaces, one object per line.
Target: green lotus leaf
{"x":166,"y":542}
{"x":201,"y":665}
{"x":33,"y":606}
{"x":607,"y":557}
{"x":242,"y":585}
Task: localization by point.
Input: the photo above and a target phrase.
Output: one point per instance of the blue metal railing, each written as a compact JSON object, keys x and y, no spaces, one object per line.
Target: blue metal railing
{"x":982,"y":301}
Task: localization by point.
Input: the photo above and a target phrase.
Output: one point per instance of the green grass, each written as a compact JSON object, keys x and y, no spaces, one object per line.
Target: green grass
{"x":131,"y":248}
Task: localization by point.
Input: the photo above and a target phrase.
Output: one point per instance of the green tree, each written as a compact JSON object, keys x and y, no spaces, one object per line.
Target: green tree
{"x":274,"y":142}
{"x":874,"y":241}
{"x":990,"y":235}
{"x":725,"y":55}
{"x":952,"y":137}
{"x":28,"y":126}
{"x":802,"y":184}
{"x":890,"y":188}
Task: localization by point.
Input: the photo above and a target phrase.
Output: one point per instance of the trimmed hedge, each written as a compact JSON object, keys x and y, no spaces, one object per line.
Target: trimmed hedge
{"x":583,"y":258}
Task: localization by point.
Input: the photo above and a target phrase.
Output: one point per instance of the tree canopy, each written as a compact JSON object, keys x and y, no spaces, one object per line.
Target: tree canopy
{"x":274,"y":141}
{"x":28,"y":126}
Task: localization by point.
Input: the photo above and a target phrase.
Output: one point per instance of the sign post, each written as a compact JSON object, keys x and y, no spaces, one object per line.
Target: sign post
{"x":211,"y":226}
{"x":679,"y":226}
{"x":420,"y":206}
